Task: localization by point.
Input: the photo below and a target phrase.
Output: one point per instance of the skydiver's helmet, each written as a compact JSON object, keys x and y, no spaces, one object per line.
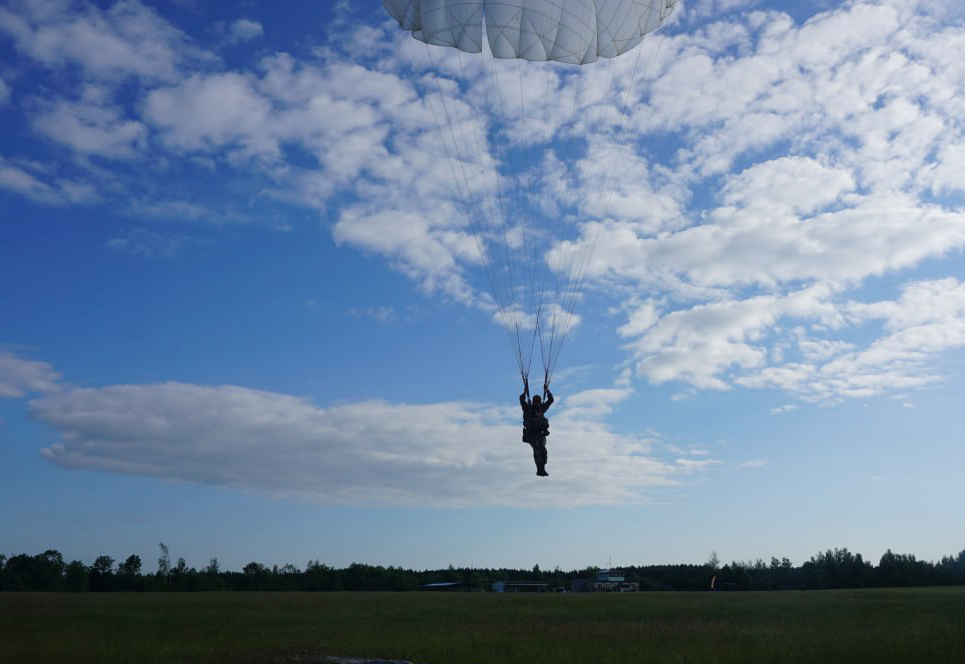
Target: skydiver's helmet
{"x":537,"y":400}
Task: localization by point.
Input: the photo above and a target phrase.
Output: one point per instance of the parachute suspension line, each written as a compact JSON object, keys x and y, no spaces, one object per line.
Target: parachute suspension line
{"x":524,"y":362}
{"x":623,"y":143}
{"x":520,"y":218}
{"x":507,"y":154}
{"x":629,"y":123}
{"x":571,"y":295}
{"x":542,"y":209}
{"x":527,"y":214}
{"x":586,"y":186}
{"x":559,"y":320}
{"x":464,"y":198}
{"x":558,"y":270}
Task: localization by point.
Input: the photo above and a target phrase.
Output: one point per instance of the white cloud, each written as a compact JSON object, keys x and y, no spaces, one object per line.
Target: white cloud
{"x":243,"y":30}
{"x":213,"y":112}
{"x":368,"y":453}
{"x":753,"y":463}
{"x":749,"y":247}
{"x":385,"y":314}
{"x":4,"y":93}
{"x":149,"y":244}
{"x":944,"y":174}
{"x":181,"y":210}
{"x":786,"y":408}
{"x":29,"y":180}
{"x":769,"y":168}
{"x":698,"y":344}
{"x":595,"y":402}
{"x":927,"y":320}
{"x":20,"y":377}
{"x":91,"y":126}
{"x":787,"y":184}
{"x":692,"y":465}
{"x":742,"y":342}
{"x":127,"y":39}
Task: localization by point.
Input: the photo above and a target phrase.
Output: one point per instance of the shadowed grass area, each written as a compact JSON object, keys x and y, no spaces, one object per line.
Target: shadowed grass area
{"x":855,"y":626}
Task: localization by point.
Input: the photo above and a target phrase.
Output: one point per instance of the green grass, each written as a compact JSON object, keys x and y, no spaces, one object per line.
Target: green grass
{"x":854,"y":626}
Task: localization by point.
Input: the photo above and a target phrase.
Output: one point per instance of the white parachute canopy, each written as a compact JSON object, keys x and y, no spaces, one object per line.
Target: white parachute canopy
{"x":570,"y":31}
{"x":533,"y":159}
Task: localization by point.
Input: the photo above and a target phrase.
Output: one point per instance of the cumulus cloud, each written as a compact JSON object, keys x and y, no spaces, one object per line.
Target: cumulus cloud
{"x":217,"y":111}
{"x":243,"y":30}
{"x":366,"y":453}
{"x":127,"y":39}
{"x":783,"y":342}
{"x":20,"y":377}
{"x":699,"y":343}
{"x":91,"y":126}
{"x":926,"y":321}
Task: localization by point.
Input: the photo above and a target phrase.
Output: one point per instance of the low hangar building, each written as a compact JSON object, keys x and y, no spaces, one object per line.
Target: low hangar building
{"x":605,"y":581}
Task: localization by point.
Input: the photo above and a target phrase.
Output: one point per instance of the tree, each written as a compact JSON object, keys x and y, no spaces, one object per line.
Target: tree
{"x":130,"y":567}
{"x":129,"y":572}
{"x":183,"y":577}
{"x":76,"y":578}
{"x":164,"y":564}
{"x":101,"y":573}
{"x":50,"y":570}
{"x":212,"y":579}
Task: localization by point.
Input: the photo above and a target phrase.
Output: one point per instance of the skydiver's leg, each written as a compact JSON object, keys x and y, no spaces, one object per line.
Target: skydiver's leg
{"x":540,"y":456}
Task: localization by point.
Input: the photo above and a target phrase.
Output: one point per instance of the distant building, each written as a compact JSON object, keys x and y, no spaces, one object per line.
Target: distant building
{"x":605,"y":581}
{"x":520,"y":587}
{"x":449,"y":586}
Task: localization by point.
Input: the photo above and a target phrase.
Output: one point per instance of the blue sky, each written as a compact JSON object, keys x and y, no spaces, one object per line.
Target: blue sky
{"x":242,"y":309}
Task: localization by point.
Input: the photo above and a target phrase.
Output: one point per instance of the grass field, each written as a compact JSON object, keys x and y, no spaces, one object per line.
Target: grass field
{"x":854,"y":626}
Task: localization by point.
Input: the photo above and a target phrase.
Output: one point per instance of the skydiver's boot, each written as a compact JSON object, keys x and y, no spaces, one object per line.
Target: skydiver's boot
{"x":541,"y":471}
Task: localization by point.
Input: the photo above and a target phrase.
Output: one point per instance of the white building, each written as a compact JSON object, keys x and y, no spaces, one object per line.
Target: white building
{"x":605,"y":581}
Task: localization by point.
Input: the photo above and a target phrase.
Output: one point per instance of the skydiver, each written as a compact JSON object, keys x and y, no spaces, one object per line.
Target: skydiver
{"x":535,"y":425}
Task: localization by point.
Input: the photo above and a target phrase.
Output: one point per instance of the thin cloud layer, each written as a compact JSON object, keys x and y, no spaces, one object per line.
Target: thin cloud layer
{"x":361,"y":454}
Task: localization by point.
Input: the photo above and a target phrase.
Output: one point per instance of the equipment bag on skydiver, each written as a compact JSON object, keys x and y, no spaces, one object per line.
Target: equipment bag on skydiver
{"x":537,"y":425}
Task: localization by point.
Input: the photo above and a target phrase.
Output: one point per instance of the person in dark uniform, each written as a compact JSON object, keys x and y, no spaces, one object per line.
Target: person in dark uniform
{"x":535,"y":425}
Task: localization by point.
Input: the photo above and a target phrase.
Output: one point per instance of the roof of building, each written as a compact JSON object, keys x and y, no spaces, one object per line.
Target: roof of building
{"x":443,"y":584}
{"x":523,"y":583}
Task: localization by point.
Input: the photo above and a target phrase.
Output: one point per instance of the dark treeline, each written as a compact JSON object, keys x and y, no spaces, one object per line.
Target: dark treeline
{"x":839,"y":568}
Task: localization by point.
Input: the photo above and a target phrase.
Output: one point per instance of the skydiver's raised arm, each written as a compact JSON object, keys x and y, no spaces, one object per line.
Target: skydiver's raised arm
{"x":524,"y":397}
{"x":549,"y":400}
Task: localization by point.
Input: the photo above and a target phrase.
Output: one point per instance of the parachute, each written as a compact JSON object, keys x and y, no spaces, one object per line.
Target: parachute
{"x":535,"y":129}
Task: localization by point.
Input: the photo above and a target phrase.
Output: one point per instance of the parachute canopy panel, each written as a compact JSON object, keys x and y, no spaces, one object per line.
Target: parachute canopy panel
{"x":568,"y":31}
